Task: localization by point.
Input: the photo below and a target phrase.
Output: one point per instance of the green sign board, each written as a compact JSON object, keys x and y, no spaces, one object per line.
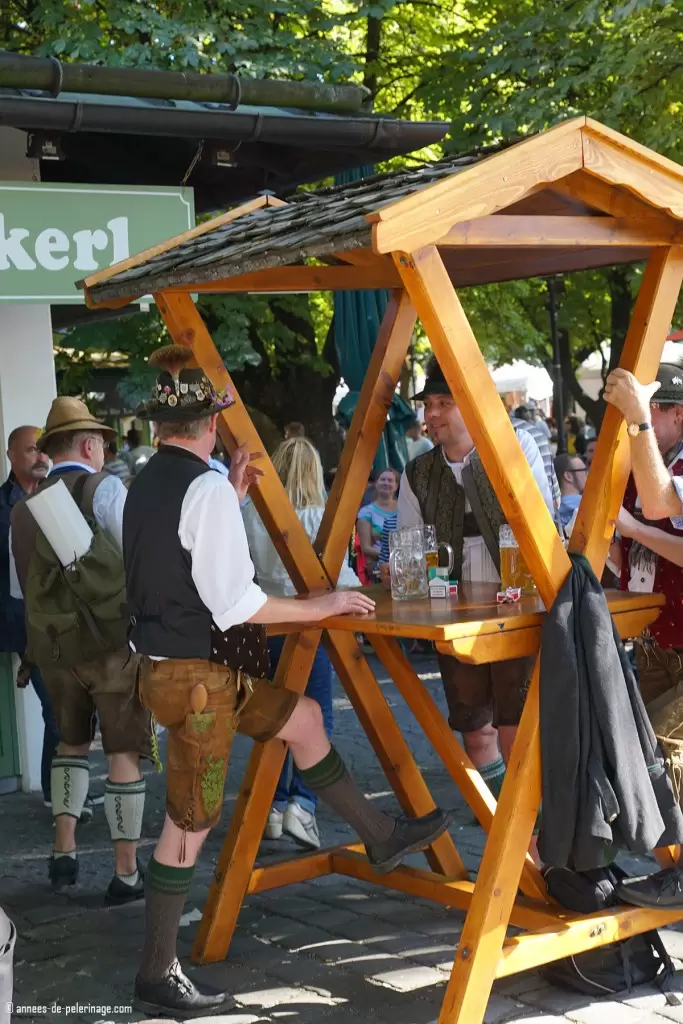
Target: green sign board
{"x":54,"y":235}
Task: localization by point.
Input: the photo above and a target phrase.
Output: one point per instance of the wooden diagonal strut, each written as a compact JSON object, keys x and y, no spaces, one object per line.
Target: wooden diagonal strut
{"x":455,"y":760}
{"x":369,"y":419}
{"x":186,"y":327}
{"x":389,"y":744}
{"x":249,"y":817}
{"x":652,"y":315}
{"x":463,"y":365}
{"x":456,"y":348}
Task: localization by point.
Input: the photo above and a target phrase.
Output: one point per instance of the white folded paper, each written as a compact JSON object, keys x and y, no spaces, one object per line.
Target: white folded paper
{"x":61,"y":520}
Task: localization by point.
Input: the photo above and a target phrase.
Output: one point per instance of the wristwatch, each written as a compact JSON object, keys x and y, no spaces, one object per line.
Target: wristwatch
{"x":634,"y":429}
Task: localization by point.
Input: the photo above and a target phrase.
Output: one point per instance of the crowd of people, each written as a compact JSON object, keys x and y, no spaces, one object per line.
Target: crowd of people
{"x":182,"y":549}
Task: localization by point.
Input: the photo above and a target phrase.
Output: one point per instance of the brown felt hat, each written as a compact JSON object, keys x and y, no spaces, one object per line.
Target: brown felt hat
{"x":67,"y":414}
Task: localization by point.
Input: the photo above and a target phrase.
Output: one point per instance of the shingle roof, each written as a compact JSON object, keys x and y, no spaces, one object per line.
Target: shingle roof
{"x":315,"y":223}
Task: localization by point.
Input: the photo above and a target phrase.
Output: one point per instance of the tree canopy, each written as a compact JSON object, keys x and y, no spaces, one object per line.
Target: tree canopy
{"x":493,"y":69}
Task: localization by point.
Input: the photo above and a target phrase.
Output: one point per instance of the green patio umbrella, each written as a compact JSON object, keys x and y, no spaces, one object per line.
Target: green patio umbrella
{"x":357,"y":318}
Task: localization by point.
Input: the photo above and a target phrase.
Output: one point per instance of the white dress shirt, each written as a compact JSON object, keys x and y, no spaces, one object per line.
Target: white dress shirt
{"x":270,"y":572}
{"x":212,"y":531}
{"x":477,"y":564}
{"x":107,"y":506}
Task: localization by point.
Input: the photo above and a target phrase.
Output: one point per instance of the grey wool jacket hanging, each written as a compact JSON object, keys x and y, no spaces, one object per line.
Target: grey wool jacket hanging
{"x":605,"y":784}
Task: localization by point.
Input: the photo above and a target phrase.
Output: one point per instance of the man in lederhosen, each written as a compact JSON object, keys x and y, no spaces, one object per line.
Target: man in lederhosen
{"x":197,"y":617}
{"x":448,"y":487}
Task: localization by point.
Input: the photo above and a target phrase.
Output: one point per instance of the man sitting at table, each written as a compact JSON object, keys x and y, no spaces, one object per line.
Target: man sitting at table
{"x":449,"y":488}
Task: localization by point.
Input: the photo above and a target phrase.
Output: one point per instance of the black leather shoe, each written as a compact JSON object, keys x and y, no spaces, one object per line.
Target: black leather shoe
{"x":409,"y":836}
{"x":178,"y":996}
{"x":662,"y":891}
{"x":119,"y":892}
{"x":63,"y":870}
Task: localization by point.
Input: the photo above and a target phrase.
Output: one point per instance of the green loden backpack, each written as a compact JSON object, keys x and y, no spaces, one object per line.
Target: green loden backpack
{"x":79,"y":613}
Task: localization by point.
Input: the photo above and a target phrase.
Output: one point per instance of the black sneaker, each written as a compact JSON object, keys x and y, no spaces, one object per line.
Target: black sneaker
{"x":120,"y":892}
{"x":662,"y":891}
{"x":63,"y":870}
{"x":409,"y":836}
{"x":177,"y":995}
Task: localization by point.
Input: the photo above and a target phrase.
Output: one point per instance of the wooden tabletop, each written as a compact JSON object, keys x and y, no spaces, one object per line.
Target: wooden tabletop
{"x":474,"y":611}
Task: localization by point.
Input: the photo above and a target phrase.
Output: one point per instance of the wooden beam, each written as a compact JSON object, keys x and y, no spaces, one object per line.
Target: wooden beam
{"x":578,"y":934}
{"x":478,"y":952}
{"x":479,"y":190}
{"x":369,"y":418}
{"x":658,"y":184}
{"x":186,"y":327}
{"x":636,"y":150}
{"x":177,"y":240}
{"x":650,"y":322}
{"x":296,"y":279}
{"x":471,"y":384}
{"x":611,"y":199}
{"x":428,"y":885}
{"x":566,"y":232}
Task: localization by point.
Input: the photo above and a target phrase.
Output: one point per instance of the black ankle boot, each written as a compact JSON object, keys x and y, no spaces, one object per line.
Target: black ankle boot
{"x":177,"y":995}
{"x":409,"y":836}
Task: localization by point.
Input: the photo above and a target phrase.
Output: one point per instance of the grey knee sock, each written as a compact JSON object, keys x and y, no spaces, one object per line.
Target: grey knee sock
{"x":330,"y":779}
{"x":166,"y":890}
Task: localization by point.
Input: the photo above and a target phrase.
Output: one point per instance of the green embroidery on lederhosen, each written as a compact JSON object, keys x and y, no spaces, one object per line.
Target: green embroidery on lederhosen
{"x":201,"y":721}
{"x":212,"y":783}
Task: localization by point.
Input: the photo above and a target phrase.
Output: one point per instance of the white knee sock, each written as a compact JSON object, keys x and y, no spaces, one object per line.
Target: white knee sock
{"x":123,"y":806}
{"x":69,"y":781}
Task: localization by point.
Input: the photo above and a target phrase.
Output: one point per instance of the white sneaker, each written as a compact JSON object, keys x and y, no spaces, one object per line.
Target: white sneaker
{"x":301,"y":826}
{"x":273,"y":828}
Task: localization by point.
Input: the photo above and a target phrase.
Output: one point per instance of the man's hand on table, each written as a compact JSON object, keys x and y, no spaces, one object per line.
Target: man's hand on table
{"x":343,"y":602}
{"x":629,"y":396}
{"x":242,"y":474}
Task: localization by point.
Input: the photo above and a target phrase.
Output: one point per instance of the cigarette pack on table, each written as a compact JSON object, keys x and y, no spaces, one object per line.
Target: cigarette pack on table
{"x":438,"y":588}
{"x":453,"y":588}
{"x":437,"y":572}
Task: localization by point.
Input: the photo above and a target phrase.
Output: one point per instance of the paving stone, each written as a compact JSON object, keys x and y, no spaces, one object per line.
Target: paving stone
{"x":408,"y":979}
{"x":609,"y":1011}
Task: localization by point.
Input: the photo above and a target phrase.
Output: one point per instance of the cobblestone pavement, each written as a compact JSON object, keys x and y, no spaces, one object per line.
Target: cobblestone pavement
{"x":332,"y":951}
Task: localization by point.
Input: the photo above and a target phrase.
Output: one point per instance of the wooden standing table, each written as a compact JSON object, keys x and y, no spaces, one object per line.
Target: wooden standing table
{"x":579,"y":196}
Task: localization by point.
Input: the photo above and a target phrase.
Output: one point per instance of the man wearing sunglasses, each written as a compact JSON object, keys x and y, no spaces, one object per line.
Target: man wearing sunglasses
{"x":571,"y":473}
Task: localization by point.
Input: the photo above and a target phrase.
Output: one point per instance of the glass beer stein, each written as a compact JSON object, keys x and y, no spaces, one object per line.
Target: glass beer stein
{"x":432,"y":549}
{"x":513,"y":569}
{"x":407,"y":564}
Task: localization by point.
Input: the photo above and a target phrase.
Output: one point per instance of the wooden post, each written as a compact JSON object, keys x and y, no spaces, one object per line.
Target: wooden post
{"x":652,"y":315}
{"x":369,"y":418}
{"x":471,"y":384}
{"x":186,"y":327}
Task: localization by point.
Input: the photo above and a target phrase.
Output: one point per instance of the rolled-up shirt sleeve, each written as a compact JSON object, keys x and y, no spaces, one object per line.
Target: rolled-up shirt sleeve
{"x":212,"y":531}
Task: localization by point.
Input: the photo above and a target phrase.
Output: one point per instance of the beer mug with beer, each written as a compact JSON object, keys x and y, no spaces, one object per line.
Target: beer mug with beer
{"x":513,"y":569}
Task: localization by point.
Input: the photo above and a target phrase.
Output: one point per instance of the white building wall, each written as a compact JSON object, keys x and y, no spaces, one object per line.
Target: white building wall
{"x":27,"y":387}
